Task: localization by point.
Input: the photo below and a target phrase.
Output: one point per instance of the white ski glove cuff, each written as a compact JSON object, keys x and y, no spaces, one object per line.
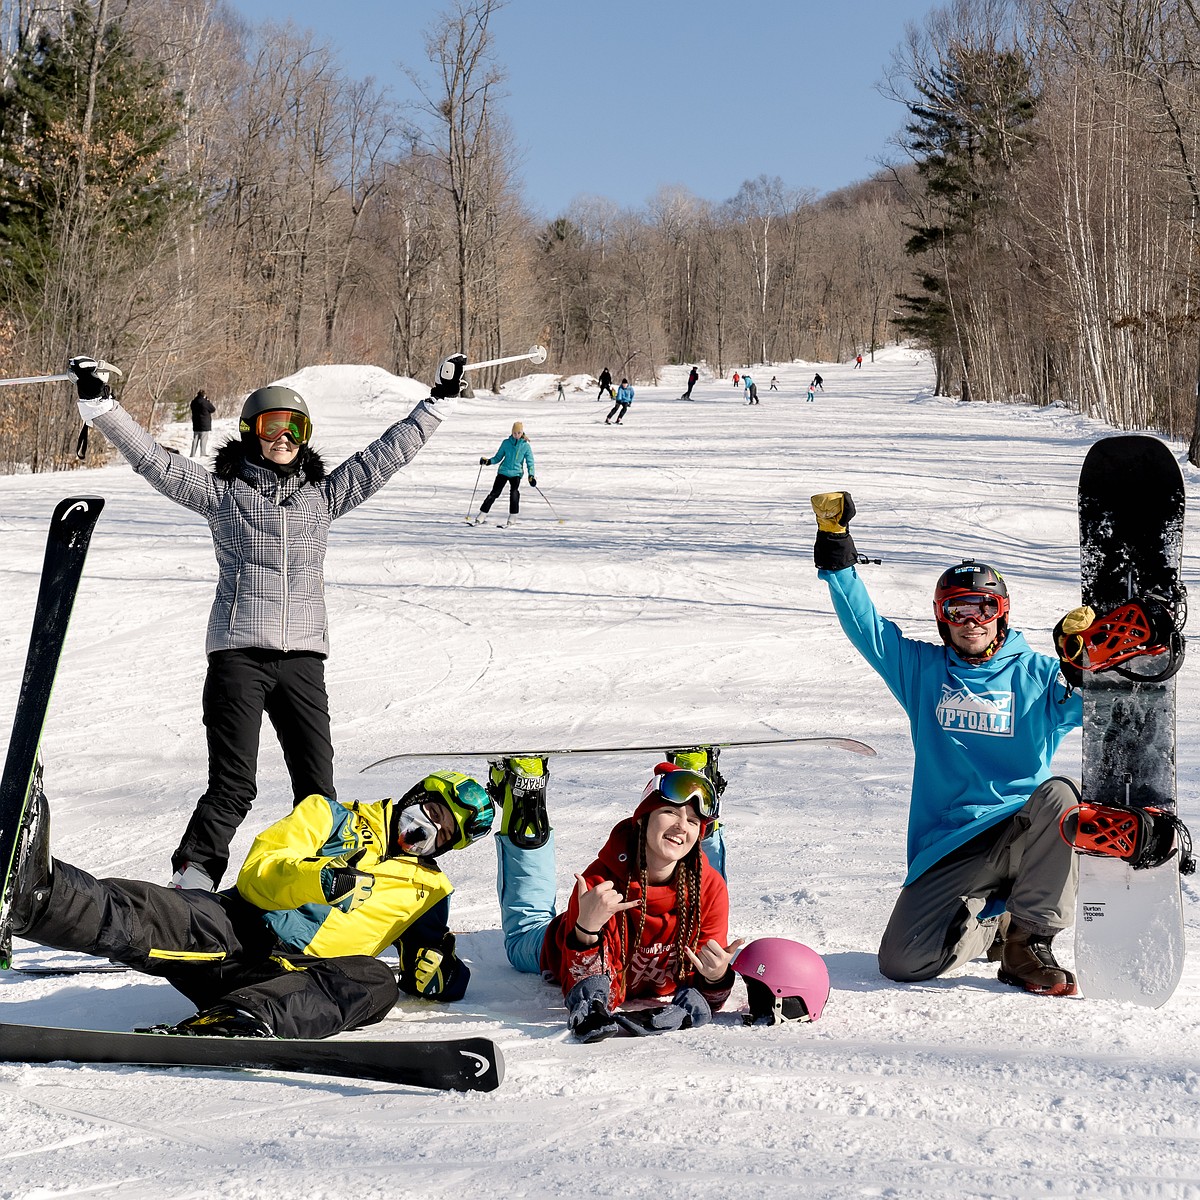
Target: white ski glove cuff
{"x":89,"y":410}
{"x":441,"y":408}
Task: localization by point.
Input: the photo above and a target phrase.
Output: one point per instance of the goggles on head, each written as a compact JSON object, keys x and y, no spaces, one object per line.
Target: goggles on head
{"x":980,"y":607}
{"x":280,"y":421}
{"x":678,"y":786}
{"x":468,"y":801}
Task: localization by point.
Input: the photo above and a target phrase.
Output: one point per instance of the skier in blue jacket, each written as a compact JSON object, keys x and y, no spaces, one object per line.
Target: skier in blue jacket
{"x":988,"y":869}
{"x":514,"y":456}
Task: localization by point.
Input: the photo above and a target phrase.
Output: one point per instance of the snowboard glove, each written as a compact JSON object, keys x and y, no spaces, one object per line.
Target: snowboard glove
{"x":588,"y":1014}
{"x":834,"y":549}
{"x":688,"y":1010}
{"x":344,"y":886}
{"x":91,"y":384}
{"x":449,"y":377}
{"x":435,"y":967}
{"x":1069,"y":645}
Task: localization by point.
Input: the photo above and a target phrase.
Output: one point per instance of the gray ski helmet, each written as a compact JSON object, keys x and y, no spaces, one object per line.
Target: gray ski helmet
{"x":970,"y":577}
{"x":274,"y":398}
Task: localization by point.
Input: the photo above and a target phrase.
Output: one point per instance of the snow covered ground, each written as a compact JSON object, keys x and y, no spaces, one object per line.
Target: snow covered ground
{"x":676,"y":603}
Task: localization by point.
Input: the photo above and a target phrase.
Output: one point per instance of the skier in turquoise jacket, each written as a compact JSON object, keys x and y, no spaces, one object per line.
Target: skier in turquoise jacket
{"x":988,"y":869}
{"x":514,"y":455}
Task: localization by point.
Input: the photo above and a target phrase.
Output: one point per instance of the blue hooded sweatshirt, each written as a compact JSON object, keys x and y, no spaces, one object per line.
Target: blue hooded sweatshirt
{"x":983,"y":734}
{"x":514,"y":453}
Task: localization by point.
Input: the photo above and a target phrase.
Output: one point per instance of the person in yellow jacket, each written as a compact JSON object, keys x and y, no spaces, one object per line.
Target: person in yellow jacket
{"x":292,"y":950}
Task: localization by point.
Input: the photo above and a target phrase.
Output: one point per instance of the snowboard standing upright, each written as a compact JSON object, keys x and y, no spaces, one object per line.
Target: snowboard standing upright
{"x":1129,"y":934}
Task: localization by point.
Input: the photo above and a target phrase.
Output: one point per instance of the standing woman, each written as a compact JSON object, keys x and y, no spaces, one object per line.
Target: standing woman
{"x":268,"y":502}
{"x":648,"y":920}
{"x":514,"y":456}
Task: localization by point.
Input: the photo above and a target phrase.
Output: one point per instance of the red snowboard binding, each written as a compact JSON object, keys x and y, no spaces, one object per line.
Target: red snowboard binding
{"x":1143,"y":837}
{"x":1147,"y":626}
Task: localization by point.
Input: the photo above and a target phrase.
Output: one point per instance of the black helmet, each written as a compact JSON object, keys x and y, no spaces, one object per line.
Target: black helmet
{"x":273,"y":399}
{"x":970,"y":578}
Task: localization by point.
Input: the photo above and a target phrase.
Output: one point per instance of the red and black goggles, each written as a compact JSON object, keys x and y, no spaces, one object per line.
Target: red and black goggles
{"x":679,"y":786}
{"x":277,"y":422}
{"x":980,"y":607}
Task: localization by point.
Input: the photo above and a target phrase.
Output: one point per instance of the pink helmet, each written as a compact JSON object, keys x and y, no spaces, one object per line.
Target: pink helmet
{"x":785,"y":980}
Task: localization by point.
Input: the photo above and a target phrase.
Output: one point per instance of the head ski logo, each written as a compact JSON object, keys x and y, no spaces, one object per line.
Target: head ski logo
{"x":962,"y":711}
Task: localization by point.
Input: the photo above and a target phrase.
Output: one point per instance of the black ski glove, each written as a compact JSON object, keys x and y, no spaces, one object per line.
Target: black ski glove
{"x":834,"y":549}
{"x":532,"y":482}
{"x":588,"y":1014}
{"x":483,"y":462}
{"x":345,"y":886}
{"x":449,"y":377}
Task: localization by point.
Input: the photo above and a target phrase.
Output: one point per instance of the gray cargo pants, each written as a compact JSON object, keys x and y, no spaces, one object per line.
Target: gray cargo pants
{"x":935,"y":925}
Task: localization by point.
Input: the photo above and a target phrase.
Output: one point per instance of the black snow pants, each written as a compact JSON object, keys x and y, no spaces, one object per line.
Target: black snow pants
{"x":211,"y":946}
{"x":240,"y":686}
{"x":514,"y":493}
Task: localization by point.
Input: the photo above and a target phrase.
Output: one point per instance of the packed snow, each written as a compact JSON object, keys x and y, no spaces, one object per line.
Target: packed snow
{"x":668,"y":597}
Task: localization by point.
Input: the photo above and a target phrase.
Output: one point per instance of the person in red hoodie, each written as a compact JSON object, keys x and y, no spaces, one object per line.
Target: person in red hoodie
{"x":647,"y":921}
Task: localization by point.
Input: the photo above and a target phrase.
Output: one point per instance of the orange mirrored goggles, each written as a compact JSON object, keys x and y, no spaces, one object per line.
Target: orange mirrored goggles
{"x":279,"y":421}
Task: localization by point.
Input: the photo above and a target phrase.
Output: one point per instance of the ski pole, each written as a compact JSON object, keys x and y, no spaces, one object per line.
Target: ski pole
{"x":471,"y":505}
{"x":103,"y":368}
{"x":536,"y":354}
{"x":547,"y":499}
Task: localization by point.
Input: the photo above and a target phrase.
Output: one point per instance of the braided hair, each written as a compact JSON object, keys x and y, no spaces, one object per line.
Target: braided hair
{"x":687,"y":909}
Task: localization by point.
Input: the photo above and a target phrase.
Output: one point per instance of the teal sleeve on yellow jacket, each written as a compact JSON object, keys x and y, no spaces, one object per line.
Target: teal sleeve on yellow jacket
{"x":282,"y":876}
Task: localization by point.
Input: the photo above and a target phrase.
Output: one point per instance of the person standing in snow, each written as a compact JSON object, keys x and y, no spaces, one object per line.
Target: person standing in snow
{"x":647,"y":920}
{"x":988,"y":870}
{"x":291,"y":952}
{"x":202,"y":414}
{"x":751,"y":390}
{"x":817,"y":382}
{"x":624,"y":400}
{"x":605,"y":385}
{"x":562,"y":395}
{"x":514,"y":456}
{"x":735,"y":380}
{"x":268,"y":502}
{"x":857,"y":361}
{"x":774,"y":384}
{"x":693,"y":375}
{"x":812,"y":395}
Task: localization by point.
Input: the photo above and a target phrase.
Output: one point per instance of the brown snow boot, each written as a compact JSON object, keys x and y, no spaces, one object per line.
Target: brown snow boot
{"x":1027,"y":961}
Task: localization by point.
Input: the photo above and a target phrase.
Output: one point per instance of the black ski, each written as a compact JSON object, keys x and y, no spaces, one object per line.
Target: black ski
{"x":840,"y":743}
{"x":66,"y":549}
{"x":460,"y":1065}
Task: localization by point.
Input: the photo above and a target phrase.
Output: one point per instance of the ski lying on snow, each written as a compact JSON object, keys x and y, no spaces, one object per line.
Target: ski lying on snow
{"x":460,"y":1064}
{"x":840,"y":743}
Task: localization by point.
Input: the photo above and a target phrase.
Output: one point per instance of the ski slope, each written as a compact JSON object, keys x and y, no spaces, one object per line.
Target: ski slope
{"x":676,"y":601}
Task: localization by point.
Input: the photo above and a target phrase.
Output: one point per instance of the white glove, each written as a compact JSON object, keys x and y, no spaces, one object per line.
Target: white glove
{"x":91,"y":382}
{"x":441,"y":408}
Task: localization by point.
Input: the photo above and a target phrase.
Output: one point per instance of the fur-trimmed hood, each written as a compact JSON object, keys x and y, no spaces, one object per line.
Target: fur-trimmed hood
{"x":231,"y":457}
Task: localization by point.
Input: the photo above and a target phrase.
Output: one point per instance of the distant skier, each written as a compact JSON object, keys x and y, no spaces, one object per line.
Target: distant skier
{"x":268,"y":502}
{"x":988,"y":871}
{"x":774,"y":385}
{"x":624,"y":400}
{"x":514,"y":456}
{"x":605,"y":385}
{"x":857,"y":362}
{"x":751,"y":390}
{"x":647,"y":920}
{"x":202,"y":409}
{"x":812,"y":395}
{"x":291,"y":951}
{"x":693,"y":375}
{"x":735,"y":379}
{"x":561,"y":394}
{"x":817,"y":382}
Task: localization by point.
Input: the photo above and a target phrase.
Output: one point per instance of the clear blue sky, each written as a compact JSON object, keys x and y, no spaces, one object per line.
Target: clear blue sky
{"x":616,"y":98}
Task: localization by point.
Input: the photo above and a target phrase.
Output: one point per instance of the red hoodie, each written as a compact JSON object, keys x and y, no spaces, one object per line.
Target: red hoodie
{"x":651,"y":971}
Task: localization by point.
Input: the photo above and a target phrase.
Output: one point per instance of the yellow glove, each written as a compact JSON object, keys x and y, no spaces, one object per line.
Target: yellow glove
{"x":433,"y":967}
{"x":1066,"y":632}
{"x":834,"y":511}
